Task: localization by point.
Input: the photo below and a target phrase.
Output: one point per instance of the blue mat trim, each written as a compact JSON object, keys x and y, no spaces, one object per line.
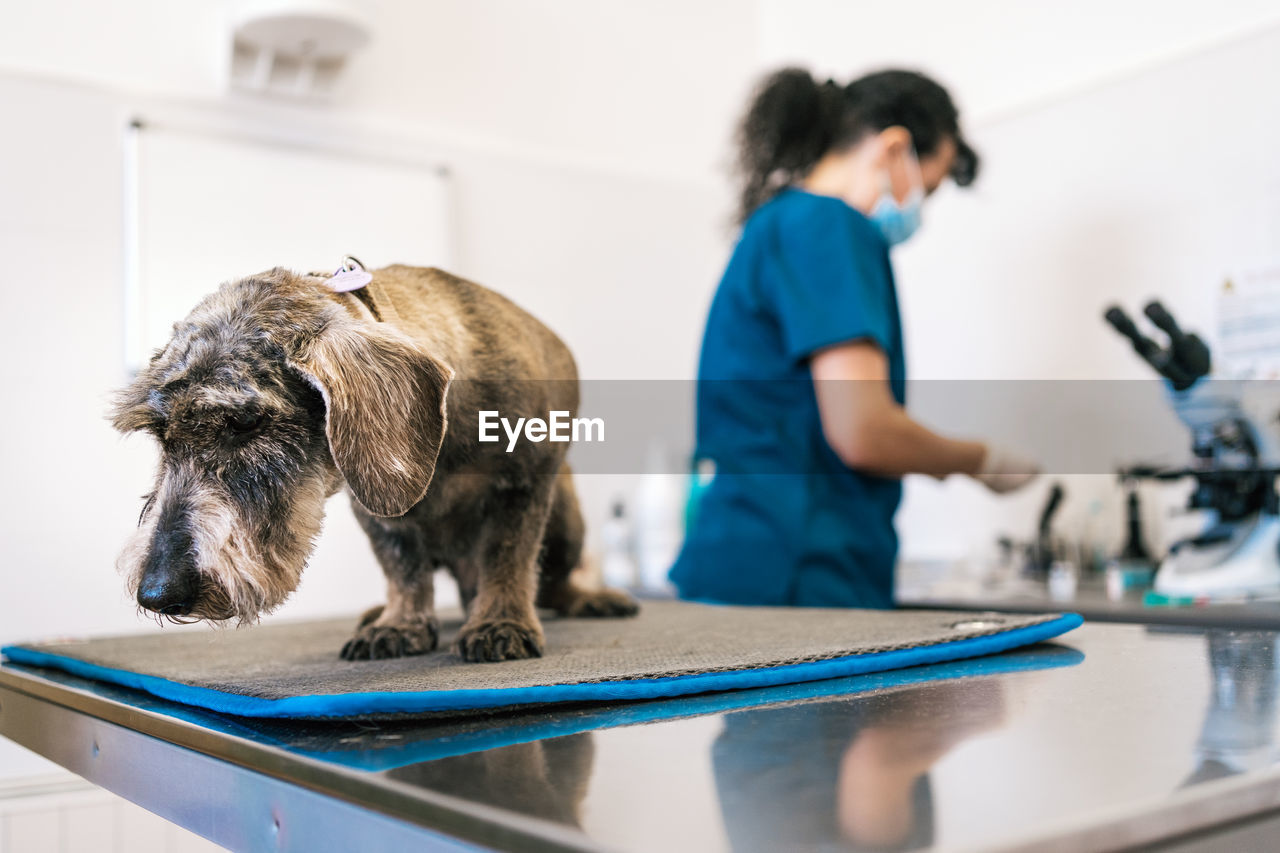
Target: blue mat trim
{"x":357,"y":704}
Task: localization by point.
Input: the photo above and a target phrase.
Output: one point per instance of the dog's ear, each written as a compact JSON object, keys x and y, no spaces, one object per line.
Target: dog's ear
{"x":130,"y":407}
{"x":134,"y":406}
{"x":385,"y":404}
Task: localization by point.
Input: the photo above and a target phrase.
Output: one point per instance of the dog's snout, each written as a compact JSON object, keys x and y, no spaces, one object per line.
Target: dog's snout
{"x":170,"y":581}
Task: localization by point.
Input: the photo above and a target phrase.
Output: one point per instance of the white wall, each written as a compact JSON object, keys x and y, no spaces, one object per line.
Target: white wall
{"x":637,"y":87}
{"x":38,"y":815}
{"x":1002,"y":56}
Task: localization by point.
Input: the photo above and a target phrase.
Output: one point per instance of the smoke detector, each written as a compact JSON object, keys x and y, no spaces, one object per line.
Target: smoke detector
{"x":294,"y":48}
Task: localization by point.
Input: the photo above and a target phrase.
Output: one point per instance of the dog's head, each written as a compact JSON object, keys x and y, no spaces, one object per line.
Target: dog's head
{"x":267,"y":397}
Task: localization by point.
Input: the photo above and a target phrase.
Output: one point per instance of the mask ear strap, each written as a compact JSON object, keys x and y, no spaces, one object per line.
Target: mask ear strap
{"x":914,"y":172}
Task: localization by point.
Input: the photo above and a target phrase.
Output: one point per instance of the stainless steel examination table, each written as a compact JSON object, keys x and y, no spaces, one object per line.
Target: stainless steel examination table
{"x":1111,"y":737}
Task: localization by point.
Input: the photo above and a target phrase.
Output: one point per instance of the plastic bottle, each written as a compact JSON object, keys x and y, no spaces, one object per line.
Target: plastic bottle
{"x":618,"y":565}
{"x":659,"y":528}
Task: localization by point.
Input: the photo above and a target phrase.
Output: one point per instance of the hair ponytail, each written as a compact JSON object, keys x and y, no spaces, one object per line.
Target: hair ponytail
{"x":792,"y":121}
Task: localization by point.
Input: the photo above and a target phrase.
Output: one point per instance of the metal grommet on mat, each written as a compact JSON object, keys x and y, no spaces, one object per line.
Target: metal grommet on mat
{"x":976,"y":624}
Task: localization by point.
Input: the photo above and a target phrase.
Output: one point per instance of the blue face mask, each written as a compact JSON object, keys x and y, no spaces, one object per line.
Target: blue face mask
{"x":897,"y":220}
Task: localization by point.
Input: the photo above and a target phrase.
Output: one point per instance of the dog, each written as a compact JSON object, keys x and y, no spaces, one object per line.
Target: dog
{"x":281,"y":388}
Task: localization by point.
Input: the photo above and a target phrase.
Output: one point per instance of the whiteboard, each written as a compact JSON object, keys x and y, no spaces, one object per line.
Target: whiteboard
{"x":203,"y":208}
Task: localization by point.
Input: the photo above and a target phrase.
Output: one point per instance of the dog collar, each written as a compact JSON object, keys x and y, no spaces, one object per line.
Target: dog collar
{"x":350,"y":275}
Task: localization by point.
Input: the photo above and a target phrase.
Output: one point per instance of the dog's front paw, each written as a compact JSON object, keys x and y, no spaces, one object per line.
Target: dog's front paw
{"x":602,"y":603}
{"x":374,"y":642}
{"x":502,"y":639}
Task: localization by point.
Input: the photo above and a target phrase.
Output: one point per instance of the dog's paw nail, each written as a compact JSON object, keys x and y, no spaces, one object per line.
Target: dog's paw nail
{"x":373,"y":642}
{"x":355,"y":649}
{"x":386,"y":644}
{"x":497,"y":641}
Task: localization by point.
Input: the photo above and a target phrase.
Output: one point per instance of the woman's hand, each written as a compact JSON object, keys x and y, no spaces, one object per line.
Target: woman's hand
{"x":1005,"y":470}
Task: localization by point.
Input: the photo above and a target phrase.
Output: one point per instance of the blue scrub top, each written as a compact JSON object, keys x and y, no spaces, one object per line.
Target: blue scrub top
{"x":784,"y":521}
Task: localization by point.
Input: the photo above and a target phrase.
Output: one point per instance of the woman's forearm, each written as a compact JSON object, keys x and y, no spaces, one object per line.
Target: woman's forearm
{"x":889,"y":443}
{"x":869,"y":430}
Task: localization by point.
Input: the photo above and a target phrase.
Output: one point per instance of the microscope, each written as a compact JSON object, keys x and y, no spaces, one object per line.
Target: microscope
{"x":1235,"y":446}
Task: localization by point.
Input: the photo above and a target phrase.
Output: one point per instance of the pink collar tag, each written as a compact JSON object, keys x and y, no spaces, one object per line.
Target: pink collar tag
{"x":348,"y":279}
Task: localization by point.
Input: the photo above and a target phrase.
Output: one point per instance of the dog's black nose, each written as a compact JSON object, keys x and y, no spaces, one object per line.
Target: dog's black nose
{"x":170,"y":583}
{"x":161,"y":596}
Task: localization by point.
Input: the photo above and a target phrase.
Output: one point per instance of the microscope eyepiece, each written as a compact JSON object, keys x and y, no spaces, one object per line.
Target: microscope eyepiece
{"x":1164,"y":321}
{"x":1187,"y":352}
{"x":1120,"y":321}
{"x":1186,"y":359}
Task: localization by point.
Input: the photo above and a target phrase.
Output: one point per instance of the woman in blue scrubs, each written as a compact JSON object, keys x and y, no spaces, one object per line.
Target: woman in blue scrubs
{"x":802,"y":381}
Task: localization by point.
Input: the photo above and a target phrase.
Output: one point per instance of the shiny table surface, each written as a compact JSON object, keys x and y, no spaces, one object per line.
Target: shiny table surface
{"x":1112,"y":735}
{"x":944,"y":586}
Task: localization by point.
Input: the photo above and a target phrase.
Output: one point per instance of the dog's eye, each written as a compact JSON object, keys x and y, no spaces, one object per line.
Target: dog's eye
{"x":245,"y":422}
{"x":148,"y":500}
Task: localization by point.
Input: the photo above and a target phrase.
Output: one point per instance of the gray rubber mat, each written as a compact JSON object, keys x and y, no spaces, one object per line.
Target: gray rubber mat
{"x":671,"y":648}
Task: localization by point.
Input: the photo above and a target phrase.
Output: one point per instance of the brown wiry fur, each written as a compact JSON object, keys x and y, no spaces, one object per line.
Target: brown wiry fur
{"x":276,"y":391}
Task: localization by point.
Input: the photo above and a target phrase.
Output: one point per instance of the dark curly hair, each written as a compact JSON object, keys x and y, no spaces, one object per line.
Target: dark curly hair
{"x":793,"y":120}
